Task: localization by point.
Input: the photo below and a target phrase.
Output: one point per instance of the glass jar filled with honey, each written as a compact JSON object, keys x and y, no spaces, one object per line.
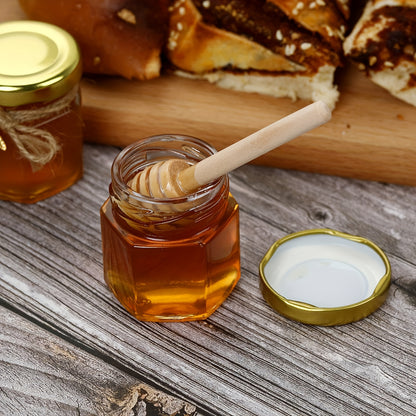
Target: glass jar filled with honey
{"x":41,"y":130}
{"x":169,"y":259}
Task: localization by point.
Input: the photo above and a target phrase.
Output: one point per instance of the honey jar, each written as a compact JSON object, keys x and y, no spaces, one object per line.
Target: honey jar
{"x":41,"y":130}
{"x":169,"y":259}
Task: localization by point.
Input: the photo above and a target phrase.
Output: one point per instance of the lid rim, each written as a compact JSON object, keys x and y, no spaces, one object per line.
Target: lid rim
{"x":325,"y":316}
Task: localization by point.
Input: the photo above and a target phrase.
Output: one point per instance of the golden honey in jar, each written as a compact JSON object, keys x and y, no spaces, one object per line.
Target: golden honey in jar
{"x":41,"y":130}
{"x":169,"y":259}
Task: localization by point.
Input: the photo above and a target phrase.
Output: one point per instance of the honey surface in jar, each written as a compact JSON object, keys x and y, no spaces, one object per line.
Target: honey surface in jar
{"x":171,"y":266}
{"x":41,"y":130}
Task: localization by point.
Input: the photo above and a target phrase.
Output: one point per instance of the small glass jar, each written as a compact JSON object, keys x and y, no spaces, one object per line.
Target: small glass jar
{"x":41,"y":129}
{"x":173,"y":259}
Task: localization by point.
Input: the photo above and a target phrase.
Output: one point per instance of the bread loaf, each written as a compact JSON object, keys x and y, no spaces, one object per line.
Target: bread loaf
{"x":120,"y":37}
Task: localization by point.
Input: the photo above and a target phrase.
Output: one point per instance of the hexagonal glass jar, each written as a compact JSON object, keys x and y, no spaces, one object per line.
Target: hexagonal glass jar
{"x":169,"y":259}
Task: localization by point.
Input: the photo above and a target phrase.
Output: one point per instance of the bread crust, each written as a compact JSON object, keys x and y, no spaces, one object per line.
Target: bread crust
{"x":290,"y":47}
{"x":121,"y":37}
{"x":199,"y":48}
{"x":318,"y":16}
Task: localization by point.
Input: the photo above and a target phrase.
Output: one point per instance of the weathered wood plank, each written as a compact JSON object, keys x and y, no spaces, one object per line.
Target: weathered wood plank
{"x":245,"y":359}
{"x":42,"y":374}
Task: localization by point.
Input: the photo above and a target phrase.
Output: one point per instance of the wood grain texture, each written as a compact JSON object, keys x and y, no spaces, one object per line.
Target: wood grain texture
{"x":371,"y":134}
{"x":245,"y":359}
{"x":43,"y":374}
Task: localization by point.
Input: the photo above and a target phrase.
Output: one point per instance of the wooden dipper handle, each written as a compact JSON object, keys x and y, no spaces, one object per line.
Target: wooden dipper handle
{"x":253,"y":146}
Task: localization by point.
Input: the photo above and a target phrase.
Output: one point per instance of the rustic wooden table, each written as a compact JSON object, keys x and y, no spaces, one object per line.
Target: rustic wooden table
{"x":68,"y":348}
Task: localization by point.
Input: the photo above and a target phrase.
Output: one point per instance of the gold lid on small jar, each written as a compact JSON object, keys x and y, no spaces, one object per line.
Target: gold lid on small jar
{"x":39,"y":62}
{"x":324,"y":277}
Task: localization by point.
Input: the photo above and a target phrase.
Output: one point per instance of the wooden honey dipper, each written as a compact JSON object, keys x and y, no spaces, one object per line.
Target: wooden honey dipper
{"x":176,"y":177}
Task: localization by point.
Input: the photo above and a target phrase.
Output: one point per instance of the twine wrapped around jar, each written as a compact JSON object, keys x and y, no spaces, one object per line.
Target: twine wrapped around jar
{"x":35,"y":144}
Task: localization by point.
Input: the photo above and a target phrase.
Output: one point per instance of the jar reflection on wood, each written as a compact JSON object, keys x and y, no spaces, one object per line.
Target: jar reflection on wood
{"x":41,"y":129}
{"x":171,"y":259}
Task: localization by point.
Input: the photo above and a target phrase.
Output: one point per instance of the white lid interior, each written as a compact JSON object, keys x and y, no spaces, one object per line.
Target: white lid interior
{"x":324,"y":270}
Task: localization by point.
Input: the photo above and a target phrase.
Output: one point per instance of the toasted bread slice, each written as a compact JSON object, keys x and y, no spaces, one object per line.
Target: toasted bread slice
{"x":383,"y":44}
{"x":278,"y":47}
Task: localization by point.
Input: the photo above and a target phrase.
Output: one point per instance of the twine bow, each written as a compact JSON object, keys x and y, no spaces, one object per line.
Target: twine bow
{"x":35,"y":144}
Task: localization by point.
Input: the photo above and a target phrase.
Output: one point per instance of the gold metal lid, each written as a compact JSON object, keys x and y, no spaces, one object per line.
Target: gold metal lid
{"x":324,"y":277}
{"x":39,"y":62}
